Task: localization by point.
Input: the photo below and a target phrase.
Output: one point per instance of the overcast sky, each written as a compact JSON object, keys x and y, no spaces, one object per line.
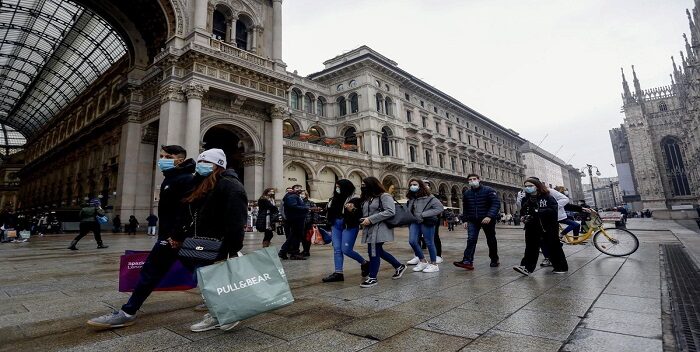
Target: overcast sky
{"x":537,"y":66}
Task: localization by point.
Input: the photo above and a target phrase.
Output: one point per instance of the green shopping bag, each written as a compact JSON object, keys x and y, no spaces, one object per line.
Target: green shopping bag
{"x":246,"y":286}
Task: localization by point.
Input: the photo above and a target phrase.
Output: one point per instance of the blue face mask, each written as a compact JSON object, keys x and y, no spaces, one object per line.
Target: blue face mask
{"x":166,"y":164}
{"x":413,"y":188}
{"x":530,"y":189}
{"x":204,"y":169}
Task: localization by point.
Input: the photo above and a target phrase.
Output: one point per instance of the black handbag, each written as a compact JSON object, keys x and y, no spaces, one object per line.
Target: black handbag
{"x":199,"y":249}
{"x":402,"y":216}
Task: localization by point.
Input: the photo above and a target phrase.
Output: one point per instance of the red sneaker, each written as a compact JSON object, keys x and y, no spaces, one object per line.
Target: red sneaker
{"x":464,"y":265}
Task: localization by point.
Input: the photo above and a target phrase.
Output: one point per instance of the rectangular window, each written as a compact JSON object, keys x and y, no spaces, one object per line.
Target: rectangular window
{"x":408,"y":97}
{"x":437,"y":127}
{"x":428,"y":158}
{"x":449,"y":132}
{"x":473,"y":167}
{"x":441,"y":158}
{"x":453,"y":164}
{"x":447,"y":114}
{"x":459,"y":133}
{"x":408,"y":115}
{"x":425,"y":122}
{"x":478,"y":143}
{"x":469,"y":138}
{"x":422,"y":104}
{"x":464,"y":166}
{"x":435,"y":109}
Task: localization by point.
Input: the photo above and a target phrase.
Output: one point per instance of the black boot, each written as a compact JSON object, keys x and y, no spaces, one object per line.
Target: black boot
{"x":72,"y":245}
{"x":100,"y":246}
{"x":334,"y":277}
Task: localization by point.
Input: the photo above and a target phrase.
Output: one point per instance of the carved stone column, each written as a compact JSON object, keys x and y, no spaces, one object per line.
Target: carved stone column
{"x":194,"y":93}
{"x":252,"y":172}
{"x":277,"y":113}
{"x":277,"y":31}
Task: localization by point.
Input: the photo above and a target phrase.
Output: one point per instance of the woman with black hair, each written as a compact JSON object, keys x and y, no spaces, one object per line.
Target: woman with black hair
{"x":344,"y":216}
{"x":267,"y":213}
{"x":539,"y":213}
{"x":426,"y":208}
{"x":377,"y":206}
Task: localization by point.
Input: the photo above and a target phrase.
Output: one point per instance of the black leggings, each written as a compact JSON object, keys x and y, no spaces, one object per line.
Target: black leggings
{"x":268,"y":236}
{"x":438,"y":243}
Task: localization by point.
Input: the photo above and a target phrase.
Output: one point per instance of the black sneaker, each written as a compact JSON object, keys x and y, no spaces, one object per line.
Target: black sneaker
{"x":102,"y":246}
{"x":399,"y":272}
{"x":368,"y":283}
{"x":335,"y":277}
{"x":521,"y":269}
{"x":282,"y":256}
{"x":306,"y":254}
{"x":365,"y":269}
{"x":297,"y":257}
{"x":495,"y":264}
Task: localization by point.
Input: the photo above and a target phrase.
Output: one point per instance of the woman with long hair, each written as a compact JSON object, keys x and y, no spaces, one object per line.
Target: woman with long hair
{"x":267,"y":212}
{"x":426,"y":208}
{"x":217,"y":208}
{"x":539,"y":213}
{"x":343,"y":213}
{"x":377,"y":206}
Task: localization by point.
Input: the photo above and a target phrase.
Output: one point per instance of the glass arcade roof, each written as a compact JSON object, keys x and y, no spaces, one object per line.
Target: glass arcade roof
{"x":11,"y":141}
{"x":50,"y":51}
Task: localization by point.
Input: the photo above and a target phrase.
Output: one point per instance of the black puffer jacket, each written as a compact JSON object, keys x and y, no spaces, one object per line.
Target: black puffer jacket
{"x":221,"y":214}
{"x":479,"y":203}
{"x":177,"y":184}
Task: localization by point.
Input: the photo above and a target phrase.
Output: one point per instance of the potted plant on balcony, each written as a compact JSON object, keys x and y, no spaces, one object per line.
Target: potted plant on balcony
{"x":304,"y":136}
{"x":349,"y":147}
{"x":330,"y":141}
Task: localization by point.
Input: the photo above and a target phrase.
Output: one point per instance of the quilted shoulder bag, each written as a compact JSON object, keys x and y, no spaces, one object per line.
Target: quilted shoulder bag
{"x":199,"y":249}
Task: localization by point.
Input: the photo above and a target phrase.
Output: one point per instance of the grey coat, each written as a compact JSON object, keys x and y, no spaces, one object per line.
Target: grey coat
{"x":378,"y":232}
{"x":432,"y":206}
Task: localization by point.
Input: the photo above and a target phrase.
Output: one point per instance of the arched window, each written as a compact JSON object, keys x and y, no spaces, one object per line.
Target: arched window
{"x":349,"y":135}
{"x":662,"y":106}
{"x":308,"y":107}
{"x":428,"y":157}
{"x":295,"y":99}
{"x":316,"y":132}
{"x":321,"y":106}
{"x":412,"y":153}
{"x":354,"y":105}
{"x":387,"y":106}
{"x":342,"y":108}
{"x":386,"y":146}
{"x":378,"y":99}
{"x":241,"y":34}
{"x":675,"y":167}
{"x":219,"y":26}
{"x":289,"y":129}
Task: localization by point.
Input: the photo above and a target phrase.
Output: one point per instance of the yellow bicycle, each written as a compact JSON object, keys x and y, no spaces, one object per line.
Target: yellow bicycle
{"x":611,"y":241}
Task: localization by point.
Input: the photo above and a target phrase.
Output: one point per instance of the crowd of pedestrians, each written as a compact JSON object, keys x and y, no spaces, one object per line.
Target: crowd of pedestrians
{"x":207,"y":200}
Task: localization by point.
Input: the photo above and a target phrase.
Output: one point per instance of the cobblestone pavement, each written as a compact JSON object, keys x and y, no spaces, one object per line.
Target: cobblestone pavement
{"x":602,"y":304}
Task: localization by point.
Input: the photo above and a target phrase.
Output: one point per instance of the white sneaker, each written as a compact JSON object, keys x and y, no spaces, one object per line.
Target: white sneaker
{"x":431,"y":268}
{"x":208,"y":323}
{"x":438,"y":260}
{"x":420,"y":267}
{"x":413,"y":261}
{"x":227,"y":327}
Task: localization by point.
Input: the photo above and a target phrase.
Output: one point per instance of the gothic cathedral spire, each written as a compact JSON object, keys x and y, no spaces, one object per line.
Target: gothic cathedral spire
{"x":626,"y":95}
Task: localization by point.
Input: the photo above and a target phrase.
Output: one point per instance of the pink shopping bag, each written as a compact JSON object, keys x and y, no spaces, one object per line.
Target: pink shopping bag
{"x":178,"y":278}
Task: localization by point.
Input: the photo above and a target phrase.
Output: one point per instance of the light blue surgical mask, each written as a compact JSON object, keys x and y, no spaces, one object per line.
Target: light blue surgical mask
{"x":337,"y":190}
{"x":530,"y":189}
{"x":204,"y":169}
{"x":413,"y":188}
{"x":166,"y":164}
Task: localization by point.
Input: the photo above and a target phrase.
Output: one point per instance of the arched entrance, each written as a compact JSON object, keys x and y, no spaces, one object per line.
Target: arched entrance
{"x":226,"y":139}
{"x":455,"y":197}
{"x":392,"y":186}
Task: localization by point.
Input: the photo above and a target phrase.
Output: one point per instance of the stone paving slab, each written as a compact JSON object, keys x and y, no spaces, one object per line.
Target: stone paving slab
{"x":50,"y":292}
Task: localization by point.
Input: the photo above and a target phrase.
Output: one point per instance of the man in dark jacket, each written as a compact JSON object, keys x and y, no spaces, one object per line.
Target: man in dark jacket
{"x":481,"y":205}
{"x":178,"y":182}
{"x":295,"y":215}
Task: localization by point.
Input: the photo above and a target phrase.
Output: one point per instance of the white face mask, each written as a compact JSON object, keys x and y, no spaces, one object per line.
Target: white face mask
{"x":474,"y":183}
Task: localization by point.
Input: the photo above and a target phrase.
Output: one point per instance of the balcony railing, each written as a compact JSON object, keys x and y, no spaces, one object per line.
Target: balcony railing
{"x":239,"y":53}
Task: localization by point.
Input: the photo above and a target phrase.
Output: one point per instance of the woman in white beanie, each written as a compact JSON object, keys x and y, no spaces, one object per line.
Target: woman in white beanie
{"x":218,"y":207}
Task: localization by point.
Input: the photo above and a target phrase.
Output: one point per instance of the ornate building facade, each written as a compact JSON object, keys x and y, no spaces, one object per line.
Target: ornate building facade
{"x":661,"y":132}
{"x":207,"y":74}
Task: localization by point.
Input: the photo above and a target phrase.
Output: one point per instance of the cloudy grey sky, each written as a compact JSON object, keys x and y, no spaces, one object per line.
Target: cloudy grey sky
{"x":537,"y":66}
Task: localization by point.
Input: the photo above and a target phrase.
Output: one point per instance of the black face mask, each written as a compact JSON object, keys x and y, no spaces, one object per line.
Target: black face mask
{"x":298,"y":192}
{"x":363,"y":189}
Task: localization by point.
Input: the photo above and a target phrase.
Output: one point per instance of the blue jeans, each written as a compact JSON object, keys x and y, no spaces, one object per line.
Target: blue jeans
{"x":573,"y":225}
{"x":380,"y":253}
{"x":414,"y":232}
{"x":343,"y":243}
{"x":473,"y":236}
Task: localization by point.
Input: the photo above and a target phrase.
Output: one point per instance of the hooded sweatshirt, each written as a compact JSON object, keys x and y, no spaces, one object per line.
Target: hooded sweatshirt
{"x":336,"y":205}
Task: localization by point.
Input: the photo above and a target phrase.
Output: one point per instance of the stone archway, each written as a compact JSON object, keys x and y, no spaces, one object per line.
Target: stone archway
{"x":241,"y":154}
{"x":356,"y":176}
{"x":392,"y":185}
{"x":455,"y":197}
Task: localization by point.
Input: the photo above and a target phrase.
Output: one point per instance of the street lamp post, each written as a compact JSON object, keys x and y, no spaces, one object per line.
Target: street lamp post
{"x":590,"y":174}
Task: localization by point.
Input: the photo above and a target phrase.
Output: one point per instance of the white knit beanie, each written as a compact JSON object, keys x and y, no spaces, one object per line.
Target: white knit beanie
{"x":214,"y":156}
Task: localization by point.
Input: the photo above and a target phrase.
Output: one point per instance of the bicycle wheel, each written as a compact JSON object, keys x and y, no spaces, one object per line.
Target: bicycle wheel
{"x":616,"y":242}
